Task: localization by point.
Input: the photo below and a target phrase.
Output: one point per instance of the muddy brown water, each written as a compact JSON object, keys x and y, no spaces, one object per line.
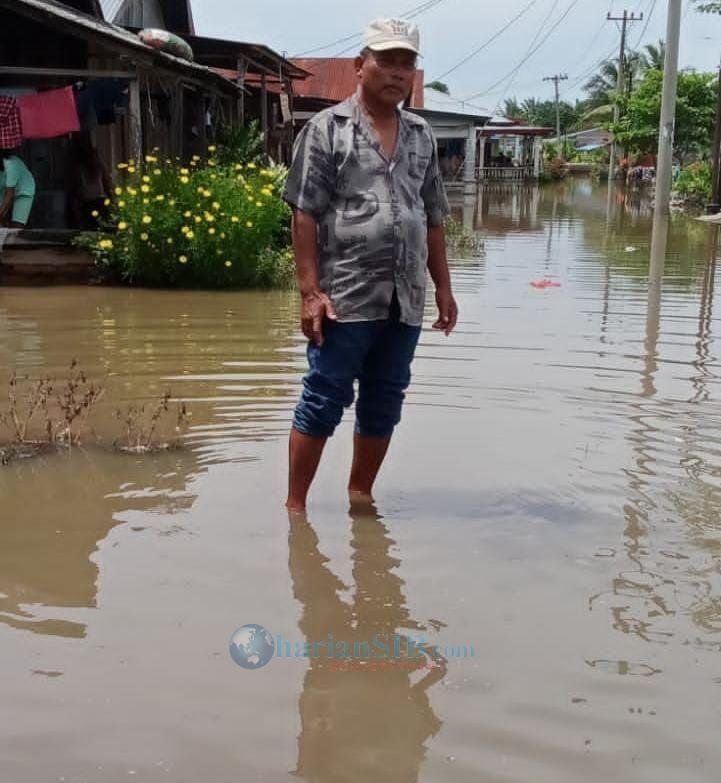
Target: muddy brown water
{"x":548,"y":522}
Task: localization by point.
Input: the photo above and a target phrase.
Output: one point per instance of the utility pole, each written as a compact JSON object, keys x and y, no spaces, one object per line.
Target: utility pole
{"x":556,"y":78}
{"x":715,"y":204}
{"x":668,"y":108}
{"x":620,"y":83}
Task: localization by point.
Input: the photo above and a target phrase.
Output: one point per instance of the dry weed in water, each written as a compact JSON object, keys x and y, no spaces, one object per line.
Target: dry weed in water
{"x":141,"y":425}
{"x":64,"y":409}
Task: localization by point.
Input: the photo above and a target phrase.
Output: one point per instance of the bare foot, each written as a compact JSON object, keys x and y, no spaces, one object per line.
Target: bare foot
{"x":361,"y":502}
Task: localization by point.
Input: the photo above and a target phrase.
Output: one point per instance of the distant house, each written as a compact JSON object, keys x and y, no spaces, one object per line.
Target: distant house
{"x":510,"y":150}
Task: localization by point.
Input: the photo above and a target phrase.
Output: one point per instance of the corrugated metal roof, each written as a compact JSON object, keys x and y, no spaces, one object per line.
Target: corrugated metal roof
{"x":335,"y":78}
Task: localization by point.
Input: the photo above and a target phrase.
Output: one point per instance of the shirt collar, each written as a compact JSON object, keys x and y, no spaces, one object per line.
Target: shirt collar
{"x":350,"y":107}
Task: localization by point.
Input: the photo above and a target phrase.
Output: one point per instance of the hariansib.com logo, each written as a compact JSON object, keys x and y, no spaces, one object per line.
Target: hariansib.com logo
{"x":252,"y":646}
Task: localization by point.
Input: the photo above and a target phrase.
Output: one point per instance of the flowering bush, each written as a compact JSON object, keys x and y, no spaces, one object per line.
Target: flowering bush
{"x":201,"y":225}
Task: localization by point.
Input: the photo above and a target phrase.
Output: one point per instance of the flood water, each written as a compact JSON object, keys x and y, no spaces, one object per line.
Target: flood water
{"x":548,"y":519}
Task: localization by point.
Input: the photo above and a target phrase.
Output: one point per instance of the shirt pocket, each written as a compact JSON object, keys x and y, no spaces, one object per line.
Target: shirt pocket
{"x":418,"y":164}
{"x":360,"y":208}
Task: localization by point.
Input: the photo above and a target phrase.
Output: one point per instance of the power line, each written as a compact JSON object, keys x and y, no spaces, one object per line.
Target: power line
{"x":507,"y":88}
{"x":405,"y":14}
{"x":513,"y":71}
{"x":648,"y":22}
{"x":487,"y":42}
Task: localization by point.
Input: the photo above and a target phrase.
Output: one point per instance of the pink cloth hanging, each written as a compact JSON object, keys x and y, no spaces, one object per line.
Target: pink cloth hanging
{"x":10,"y":133}
{"x":48,"y":114}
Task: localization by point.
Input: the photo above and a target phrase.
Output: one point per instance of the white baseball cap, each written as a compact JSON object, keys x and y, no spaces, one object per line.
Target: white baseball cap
{"x":384,"y":34}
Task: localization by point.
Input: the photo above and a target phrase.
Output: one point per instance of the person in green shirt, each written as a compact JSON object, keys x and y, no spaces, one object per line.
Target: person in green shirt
{"x":17,"y":190}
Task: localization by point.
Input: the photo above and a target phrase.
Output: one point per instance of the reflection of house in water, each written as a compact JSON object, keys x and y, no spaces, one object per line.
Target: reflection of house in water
{"x":504,"y":207}
{"x":56,"y":512}
{"x":361,"y":722}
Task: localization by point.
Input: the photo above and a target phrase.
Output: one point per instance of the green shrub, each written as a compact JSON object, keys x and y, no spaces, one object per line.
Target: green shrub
{"x":694,"y":181}
{"x":204,"y":225}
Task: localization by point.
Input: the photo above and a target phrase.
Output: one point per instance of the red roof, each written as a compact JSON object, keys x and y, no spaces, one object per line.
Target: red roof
{"x":334,"y":79}
{"x":331,"y":79}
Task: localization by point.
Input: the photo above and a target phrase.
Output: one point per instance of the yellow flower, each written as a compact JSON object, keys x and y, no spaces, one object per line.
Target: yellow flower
{"x":122,"y":166}
{"x":189,"y":234}
{"x":118,"y":191}
{"x":211,"y":230}
{"x":121,"y":204}
{"x":160,"y":197}
{"x":196,"y":157}
{"x":234,"y":219}
{"x":105,"y":244}
{"x":95,"y":213}
{"x":184,"y":229}
{"x":266,"y":192}
{"x":198,"y":219}
{"x":184,"y":171}
{"x":172,"y":202}
{"x":258,"y":203}
{"x":207,"y":193}
{"x":106,"y":202}
{"x":215,"y":205}
{"x":187,"y":213}
{"x":122,"y":225}
{"x":185,"y":180}
{"x":214,"y":176}
{"x":157,"y":172}
{"x":212,"y":148}
{"x":229,"y":263}
{"x":145,"y":188}
{"x":183,"y":259}
{"x":132,"y":191}
{"x":238,"y":166}
{"x":222,"y":234}
{"x":249,"y":223}
{"x":131,"y":169}
{"x":147,"y":219}
{"x":251,"y":165}
{"x":150,"y":159}
{"x":211,"y":162}
{"x":146,"y":178}
{"x":169,"y":240}
{"x":210,"y":218}
{"x":200,"y":190}
{"x":144,"y":236}
{"x":146,"y":201}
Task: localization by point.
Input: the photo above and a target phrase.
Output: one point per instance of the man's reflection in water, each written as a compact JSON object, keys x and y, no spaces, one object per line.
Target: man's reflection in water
{"x":360,"y":721}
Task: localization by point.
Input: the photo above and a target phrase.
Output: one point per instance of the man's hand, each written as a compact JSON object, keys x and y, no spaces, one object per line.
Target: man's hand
{"x":315,"y":305}
{"x":447,"y":310}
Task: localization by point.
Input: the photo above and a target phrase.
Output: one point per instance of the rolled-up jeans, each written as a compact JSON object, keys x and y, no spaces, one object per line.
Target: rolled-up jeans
{"x":376,"y":353}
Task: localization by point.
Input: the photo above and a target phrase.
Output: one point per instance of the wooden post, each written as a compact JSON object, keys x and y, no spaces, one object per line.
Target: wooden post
{"x":264,"y":109}
{"x":135,"y":122}
{"x":242,"y":70}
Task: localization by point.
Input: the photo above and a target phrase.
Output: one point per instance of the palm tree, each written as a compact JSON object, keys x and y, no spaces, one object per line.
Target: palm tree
{"x":512,"y":109}
{"x":654,"y":56}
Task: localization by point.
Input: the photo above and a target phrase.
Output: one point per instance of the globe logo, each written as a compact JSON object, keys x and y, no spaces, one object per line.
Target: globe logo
{"x":251,"y":646}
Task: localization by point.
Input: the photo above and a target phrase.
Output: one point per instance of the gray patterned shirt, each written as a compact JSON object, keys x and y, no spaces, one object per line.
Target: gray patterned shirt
{"x":372,"y":213}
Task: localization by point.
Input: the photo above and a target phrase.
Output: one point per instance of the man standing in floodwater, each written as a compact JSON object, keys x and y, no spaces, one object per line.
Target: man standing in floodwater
{"x":368,"y":209}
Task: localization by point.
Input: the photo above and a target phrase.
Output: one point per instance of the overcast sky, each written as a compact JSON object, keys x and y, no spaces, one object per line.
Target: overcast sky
{"x":452,"y":29}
